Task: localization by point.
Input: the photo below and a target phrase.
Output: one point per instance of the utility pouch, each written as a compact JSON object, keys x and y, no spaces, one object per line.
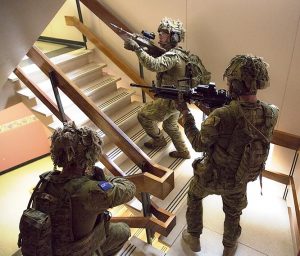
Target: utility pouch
{"x":37,"y":227}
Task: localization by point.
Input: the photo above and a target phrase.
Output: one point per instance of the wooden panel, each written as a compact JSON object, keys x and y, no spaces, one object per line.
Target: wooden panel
{"x":285,"y":139}
{"x":156,"y":225}
{"x":276,"y":176}
{"x":295,"y":216}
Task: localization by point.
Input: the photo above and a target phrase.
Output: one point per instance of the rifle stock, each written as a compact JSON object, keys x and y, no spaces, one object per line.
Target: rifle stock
{"x":207,"y":95}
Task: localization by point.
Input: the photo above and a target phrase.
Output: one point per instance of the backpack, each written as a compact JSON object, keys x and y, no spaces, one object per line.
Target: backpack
{"x":46,"y":226}
{"x":196,"y":71}
{"x":46,"y":218}
{"x":257,"y":144}
{"x":35,"y":237}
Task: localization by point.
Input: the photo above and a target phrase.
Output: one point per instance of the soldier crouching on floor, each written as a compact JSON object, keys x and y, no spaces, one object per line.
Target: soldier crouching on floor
{"x":78,"y":208}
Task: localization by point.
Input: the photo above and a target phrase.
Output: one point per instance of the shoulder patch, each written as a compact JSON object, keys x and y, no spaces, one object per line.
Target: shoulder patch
{"x":105,"y":185}
{"x":212,"y":121}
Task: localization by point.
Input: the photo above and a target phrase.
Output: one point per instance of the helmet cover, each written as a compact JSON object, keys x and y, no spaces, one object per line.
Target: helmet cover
{"x":72,"y":146}
{"x":249,"y":72}
{"x":172,"y":26}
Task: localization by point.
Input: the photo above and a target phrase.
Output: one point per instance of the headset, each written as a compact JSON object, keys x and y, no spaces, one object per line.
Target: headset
{"x":175,"y":36}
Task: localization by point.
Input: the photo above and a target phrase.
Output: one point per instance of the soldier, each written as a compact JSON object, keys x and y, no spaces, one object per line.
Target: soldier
{"x":83,"y":229}
{"x":169,"y":67}
{"x":235,"y":140}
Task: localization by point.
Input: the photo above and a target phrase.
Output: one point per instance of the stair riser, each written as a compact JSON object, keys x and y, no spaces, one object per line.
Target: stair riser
{"x":74,"y":63}
{"x":103,"y":91}
{"x":37,"y":76}
{"x":28,"y":102}
{"x":120,"y":104}
{"x":88,"y":77}
{"x":46,"y":120}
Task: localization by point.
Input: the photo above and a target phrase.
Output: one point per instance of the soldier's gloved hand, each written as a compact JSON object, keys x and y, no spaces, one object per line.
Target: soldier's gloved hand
{"x":98,"y":173}
{"x":181,"y":104}
{"x":131,"y":45}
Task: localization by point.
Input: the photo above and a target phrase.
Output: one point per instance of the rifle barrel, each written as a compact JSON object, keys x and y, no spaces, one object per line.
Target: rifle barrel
{"x":140,"y":86}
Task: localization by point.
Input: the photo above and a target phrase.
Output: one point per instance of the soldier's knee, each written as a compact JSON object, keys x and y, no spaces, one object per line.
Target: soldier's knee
{"x":168,"y":128}
{"x":122,"y":230}
{"x":141,"y":117}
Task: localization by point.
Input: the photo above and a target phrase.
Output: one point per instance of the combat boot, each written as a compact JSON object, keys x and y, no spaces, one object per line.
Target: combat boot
{"x":178,"y":154}
{"x":230,"y":251}
{"x":155,"y":143}
{"x":192,"y":241}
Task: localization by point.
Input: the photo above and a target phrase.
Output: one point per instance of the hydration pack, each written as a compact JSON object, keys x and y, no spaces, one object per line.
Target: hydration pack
{"x":196,"y":71}
{"x":256,"y":141}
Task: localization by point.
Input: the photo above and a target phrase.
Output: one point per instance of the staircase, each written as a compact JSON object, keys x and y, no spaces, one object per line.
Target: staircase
{"x":89,"y":74}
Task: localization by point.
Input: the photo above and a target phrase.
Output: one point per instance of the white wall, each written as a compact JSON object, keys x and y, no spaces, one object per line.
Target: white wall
{"x":217,"y":31}
{"x":21,"y":24}
{"x":57,"y":28}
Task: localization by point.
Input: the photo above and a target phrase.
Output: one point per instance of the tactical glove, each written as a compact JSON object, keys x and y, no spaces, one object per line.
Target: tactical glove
{"x":98,"y":174}
{"x":180,"y":103}
{"x":131,"y":45}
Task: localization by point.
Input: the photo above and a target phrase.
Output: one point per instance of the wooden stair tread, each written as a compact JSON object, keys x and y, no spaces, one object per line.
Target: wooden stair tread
{"x":77,"y":73}
{"x":104,"y":104}
{"x":57,"y":60}
{"x":73,"y":75}
{"x":69,"y":56}
{"x":100,"y":83}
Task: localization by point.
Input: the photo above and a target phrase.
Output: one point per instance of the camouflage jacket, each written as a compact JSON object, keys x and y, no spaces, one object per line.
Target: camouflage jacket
{"x":89,"y":198}
{"x":170,"y":67}
{"x":217,"y":139}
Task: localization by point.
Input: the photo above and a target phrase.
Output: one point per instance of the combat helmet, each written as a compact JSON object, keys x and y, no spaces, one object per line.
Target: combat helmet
{"x":246,"y":74}
{"x":75,"y":147}
{"x":174,"y":28}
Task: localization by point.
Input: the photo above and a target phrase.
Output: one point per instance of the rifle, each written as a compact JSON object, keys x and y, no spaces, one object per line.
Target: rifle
{"x":143,"y":40}
{"x":207,"y":95}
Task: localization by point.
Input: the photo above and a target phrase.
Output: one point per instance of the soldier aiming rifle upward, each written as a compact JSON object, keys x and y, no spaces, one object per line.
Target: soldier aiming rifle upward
{"x":143,"y":40}
{"x":206,"y":95}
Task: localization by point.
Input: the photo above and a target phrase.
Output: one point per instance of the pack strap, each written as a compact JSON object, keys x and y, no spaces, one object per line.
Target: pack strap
{"x":257,"y":130}
{"x":43,"y":178}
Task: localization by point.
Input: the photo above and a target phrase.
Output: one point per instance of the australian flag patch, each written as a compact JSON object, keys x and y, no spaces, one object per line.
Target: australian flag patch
{"x":105,"y":185}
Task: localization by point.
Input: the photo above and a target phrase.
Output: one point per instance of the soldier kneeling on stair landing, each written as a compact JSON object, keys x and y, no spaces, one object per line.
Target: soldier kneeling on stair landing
{"x":75,"y":201}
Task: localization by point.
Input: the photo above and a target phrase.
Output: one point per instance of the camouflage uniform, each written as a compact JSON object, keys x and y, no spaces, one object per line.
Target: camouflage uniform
{"x":82,"y":193}
{"x":221,"y":171}
{"x":169,"y":67}
{"x":89,"y":202}
{"x":216,"y":172}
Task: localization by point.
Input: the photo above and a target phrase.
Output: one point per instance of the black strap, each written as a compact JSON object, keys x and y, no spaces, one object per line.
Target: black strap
{"x":44,"y":177}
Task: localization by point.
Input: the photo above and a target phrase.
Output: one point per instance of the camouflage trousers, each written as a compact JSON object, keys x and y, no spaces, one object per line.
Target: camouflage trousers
{"x":233,"y":204}
{"x":162,"y":110}
{"x":118,"y":234}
